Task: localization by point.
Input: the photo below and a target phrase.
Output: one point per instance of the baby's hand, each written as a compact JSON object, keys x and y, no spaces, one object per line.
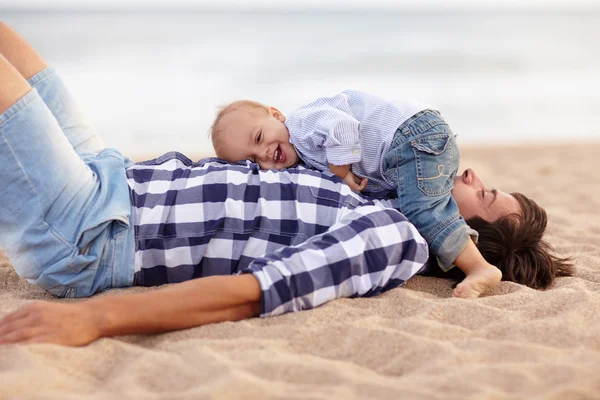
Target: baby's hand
{"x":356,"y":183}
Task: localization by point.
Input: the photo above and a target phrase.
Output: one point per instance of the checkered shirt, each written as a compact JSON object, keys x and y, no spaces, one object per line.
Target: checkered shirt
{"x":304,"y":235}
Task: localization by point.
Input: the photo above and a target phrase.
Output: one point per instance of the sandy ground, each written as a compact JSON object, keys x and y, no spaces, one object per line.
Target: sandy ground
{"x":413,"y":342}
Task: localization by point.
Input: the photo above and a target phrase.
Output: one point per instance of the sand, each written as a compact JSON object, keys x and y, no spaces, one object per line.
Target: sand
{"x":414,"y":342}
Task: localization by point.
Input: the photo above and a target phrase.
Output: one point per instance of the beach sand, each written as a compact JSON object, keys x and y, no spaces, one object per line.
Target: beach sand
{"x":414,"y":342}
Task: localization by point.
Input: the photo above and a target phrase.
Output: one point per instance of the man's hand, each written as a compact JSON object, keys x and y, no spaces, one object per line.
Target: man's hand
{"x":183,"y":305}
{"x":69,"y":324}
{"x":356,"y":183}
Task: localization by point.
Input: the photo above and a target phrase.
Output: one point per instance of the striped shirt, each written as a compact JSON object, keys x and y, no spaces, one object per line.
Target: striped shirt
{"x":305,"y":235}
{"x":351,"y":128}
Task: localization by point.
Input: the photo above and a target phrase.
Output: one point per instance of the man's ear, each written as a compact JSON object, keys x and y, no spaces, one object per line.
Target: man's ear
{"x":277,"y":114}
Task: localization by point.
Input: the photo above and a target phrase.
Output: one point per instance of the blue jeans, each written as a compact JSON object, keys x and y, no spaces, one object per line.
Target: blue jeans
{"x":422,"y":161}
{"x":65,"y":211}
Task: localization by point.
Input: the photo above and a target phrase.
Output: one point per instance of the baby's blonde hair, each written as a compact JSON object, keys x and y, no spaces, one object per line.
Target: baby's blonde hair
{"x":215,"y":131}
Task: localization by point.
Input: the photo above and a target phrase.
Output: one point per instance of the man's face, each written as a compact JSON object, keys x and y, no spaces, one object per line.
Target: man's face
{"x":259,"y":135}
{"x":474,"y":198}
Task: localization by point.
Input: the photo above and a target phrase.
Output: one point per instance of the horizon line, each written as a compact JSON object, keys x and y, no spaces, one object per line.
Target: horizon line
{"x":298,"y":8}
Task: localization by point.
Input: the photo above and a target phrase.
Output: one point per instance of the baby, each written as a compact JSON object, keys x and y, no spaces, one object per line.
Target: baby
{"x":380,"y":146}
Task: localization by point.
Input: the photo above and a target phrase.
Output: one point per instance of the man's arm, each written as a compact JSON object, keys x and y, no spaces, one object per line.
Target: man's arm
{"x":184,"y":305}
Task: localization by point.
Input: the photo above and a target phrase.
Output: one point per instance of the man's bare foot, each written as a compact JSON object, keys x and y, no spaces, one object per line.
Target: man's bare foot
{"x":477,"y":282}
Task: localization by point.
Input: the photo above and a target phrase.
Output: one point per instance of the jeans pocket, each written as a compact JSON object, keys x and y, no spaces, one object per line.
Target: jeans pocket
{"x":436,"y":159}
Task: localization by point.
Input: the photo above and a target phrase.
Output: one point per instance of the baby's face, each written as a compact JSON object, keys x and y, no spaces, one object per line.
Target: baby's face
{"x":259,"y":135}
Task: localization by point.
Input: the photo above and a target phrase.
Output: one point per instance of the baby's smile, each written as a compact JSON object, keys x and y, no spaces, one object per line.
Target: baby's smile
{"x":278,"y":155}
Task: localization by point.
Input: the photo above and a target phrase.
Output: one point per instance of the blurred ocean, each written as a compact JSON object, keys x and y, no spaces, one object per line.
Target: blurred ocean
{"x":151,"y":82}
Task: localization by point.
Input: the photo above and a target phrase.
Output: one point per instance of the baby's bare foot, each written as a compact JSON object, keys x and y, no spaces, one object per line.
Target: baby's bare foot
{"x":478,"y":282}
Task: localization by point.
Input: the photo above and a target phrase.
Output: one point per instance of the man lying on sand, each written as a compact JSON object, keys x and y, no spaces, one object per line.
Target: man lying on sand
{"x":239,"y":242}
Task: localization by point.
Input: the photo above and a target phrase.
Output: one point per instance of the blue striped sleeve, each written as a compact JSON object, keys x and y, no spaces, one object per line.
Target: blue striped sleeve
{"x":327,"y":123}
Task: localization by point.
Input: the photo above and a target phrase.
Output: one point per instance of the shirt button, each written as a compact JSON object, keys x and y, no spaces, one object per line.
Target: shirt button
{"x":355,"y":151}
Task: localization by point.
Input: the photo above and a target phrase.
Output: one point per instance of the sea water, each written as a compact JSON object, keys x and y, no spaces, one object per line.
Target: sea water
{"x":151,"y":81}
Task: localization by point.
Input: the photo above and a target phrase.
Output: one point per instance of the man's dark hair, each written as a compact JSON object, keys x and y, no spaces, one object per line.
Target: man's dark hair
{"x":515,"y":244}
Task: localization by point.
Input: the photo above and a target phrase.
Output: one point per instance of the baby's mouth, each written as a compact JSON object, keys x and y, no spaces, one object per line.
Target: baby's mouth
{"x":278,"y":155}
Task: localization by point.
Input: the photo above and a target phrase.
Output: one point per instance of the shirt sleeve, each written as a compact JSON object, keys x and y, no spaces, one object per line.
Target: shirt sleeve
{"x":369,"y":251}
{"x":328,"y":124}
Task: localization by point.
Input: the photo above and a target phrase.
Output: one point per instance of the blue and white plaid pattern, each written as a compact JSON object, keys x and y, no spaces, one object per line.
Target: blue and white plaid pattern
{"x":351,"y":128}
{"x":304,"y":235}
